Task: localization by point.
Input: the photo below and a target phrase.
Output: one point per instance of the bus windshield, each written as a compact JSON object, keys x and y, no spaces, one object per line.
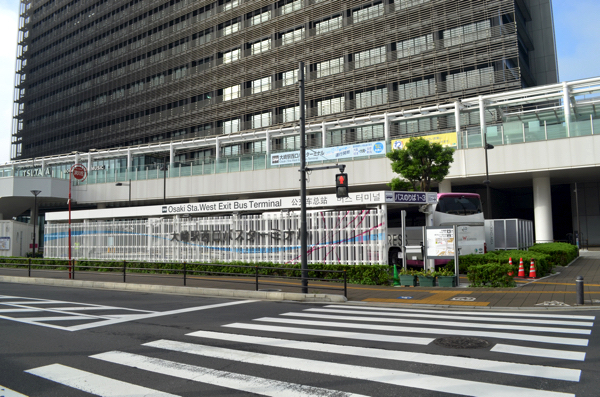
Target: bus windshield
{"x":459,"y":205}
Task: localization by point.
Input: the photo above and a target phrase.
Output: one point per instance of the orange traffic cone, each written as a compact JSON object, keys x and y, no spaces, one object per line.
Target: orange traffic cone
{"x":532,"y":270}
{"x":521,"y":269}
{"x":510,"y":272}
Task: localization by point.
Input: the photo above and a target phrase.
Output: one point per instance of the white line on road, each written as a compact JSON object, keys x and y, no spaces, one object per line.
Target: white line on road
{"x":335,"y":334}
{"x":92,"y":383}
{"x":474,"y":313}
{"x":156,"y":314}
{"x":432,"y":316}
{"x":439,"y":331}
{"x":462,"y":324}
{"x":6,"y":392}
{"x":230,"y":380}
{"x":399,"y":378}
{"x":532,"y":351}
{"x":539,"y":371}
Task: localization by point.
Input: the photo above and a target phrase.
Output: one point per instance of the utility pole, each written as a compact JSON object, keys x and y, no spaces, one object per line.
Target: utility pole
{"x":303,"y":240}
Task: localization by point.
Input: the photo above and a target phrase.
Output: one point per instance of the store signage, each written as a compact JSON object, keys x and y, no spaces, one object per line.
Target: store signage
{"x":330,"y":153}
{"x":448,"y":139}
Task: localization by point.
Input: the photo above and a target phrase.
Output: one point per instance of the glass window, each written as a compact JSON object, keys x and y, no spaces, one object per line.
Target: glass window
{"x":289,"y":78}
{"x":291,"y":7}
{"x":261,"y":85}
{"x":415,"y":46}
{"x":232,"y":28}
{"x":416,"y":89}
{"x":329,"y":106}
{"x":375,"y":97}
{"x":369,"y":57}
{"x":330,"y":67}
{"x":260,"y":46}
{"x":292,"y":37}
{"x":230,"y":4}
{"x":233,"y":55}
{"x":290,"y":114}
{"x":231,"y":126}
{"x":371,"y":132}
{"x":467,"y":33}
{"x":470,"y":79}
{"x":233,"y":92}
{"x":261,"y":120}
{"x":401,"y":4}
{"x":368,"y":12}
{"x":260,"y":18}
{"x":328,"y":25}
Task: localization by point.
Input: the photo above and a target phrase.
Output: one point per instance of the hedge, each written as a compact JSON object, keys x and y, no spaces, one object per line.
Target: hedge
{"x":559,"y":254}
{"x":542,"y":264}
{"x":493,"y":275}
{"x":356,"y":274}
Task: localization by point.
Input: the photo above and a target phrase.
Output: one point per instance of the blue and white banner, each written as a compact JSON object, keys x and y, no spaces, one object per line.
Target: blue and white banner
{"x":330,"y":153}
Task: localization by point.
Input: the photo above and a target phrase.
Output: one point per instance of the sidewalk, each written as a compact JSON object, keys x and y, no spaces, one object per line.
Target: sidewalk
{"x":557,"y":290}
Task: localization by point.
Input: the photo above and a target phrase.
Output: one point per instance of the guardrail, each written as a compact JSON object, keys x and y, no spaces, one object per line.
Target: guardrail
{"x":253,"y":276}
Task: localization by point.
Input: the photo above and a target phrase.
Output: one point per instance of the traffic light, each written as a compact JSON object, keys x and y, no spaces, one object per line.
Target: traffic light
{"x":341,"y":185}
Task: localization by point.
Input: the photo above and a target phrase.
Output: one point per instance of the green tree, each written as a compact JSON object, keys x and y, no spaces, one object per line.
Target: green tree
{"x":419,"y":163}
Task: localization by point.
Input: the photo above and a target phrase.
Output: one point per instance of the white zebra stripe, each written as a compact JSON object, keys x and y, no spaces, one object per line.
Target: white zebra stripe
{"x":477,"y":313}
{"x":399,"y":378}
{"x":539,"y":371}
{"x":438,"y":331}
{"x":6,"y":392}
{"x":434,"y":315}
{"x":230,"y":380}
{"x":532,"y":351}
{"x":92,"y":383}
{"x":335,"y":334}
{"x":461,"y":324}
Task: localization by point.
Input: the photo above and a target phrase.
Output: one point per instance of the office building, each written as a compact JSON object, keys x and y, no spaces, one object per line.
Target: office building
{"x":106,"y":74}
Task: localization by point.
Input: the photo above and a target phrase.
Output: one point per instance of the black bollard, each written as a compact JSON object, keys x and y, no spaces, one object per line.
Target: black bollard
{"x":579,"y":289}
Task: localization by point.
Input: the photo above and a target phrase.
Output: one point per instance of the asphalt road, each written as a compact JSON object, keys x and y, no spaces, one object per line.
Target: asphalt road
{"x":78,"y":342}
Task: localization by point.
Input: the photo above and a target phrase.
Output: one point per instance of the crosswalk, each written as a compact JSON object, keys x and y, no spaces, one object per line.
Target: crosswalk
{"x":339,"y":350}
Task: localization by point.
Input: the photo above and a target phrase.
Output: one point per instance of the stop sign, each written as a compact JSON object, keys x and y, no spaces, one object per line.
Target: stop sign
{"x":79,"y":172}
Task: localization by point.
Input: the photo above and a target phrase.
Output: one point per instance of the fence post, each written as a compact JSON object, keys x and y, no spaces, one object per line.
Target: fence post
{"x":29,"y":268}
{"x":256,"y":275}
{"x":184,"y":274}
{"x":345,"y":285}
{"x":124,"y":270}
{"x":73,"y":267}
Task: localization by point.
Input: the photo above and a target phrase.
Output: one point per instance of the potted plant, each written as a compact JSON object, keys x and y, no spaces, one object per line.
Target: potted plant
{"x":427,"y":278}
{"x":446,"y":278}
{"x":408,"y":277}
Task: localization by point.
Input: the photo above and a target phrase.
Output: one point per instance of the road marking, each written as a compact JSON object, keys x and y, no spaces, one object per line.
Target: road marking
{"x":335,"y":334}
{"x":93,"y":321}
{"x":19,"y":310}
{"x":539,"y":371}
{"x":381,"y":375}
{"x":230,"y":380}
{"x":439,"y":331}
{"x":6,"y":392}
{"x":445,"y":323}
{"x":490,"y":313}
{"x":92,"y":383}
{"x":408,"y":313}
{"x":531,"y":351}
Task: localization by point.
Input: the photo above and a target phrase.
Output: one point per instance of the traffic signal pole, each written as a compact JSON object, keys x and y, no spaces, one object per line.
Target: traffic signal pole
{"x":303,"y":242}
{"x":303,"y":170}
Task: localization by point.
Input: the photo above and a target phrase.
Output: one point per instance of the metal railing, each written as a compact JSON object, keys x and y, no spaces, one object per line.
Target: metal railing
{"x":283,"y":276}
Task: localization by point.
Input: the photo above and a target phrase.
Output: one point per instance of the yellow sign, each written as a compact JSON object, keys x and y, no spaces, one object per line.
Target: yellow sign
{"x":448,"y":139}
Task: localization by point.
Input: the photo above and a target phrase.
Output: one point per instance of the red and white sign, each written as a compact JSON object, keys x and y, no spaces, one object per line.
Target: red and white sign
{"x":79,"y":172}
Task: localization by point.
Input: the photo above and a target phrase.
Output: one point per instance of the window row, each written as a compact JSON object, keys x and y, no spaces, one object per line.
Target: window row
{"x":377,"y":96}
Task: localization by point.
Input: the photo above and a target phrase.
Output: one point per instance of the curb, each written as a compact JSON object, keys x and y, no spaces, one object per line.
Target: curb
{"x":167,"y":289}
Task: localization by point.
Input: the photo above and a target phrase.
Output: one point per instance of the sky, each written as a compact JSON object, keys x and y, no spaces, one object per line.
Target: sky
{"x":575,"y":22}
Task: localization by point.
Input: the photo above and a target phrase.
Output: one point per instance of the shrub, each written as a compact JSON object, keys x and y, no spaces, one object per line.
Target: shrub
{"x":542,"y":263}
{"x":491,"y":275}
{"x":559,"y":254}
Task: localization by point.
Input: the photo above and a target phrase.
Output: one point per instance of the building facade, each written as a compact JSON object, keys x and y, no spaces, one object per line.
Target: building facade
{"x":107,"y":74}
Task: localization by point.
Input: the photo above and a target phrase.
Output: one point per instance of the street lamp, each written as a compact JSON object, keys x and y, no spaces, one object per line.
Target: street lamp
{"x":126,"y":184}
{"x":487,"y":146}
{"x":35,"y":194}
{"x":164,"y":170}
